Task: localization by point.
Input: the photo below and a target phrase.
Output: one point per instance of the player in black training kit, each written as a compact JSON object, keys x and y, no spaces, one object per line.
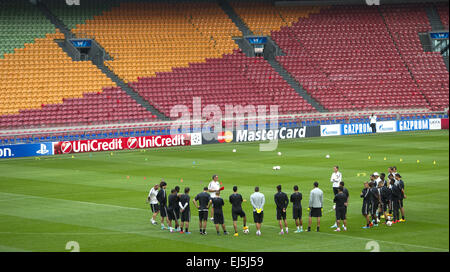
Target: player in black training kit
{"x":185,"y":210}
{"x":396,"y":196}
{"x":217,"y":203}
{"x":341,"y":213}
{"x":385,"y":195}
{"x":203,"y":206}
{"x":375,"y":201}
{"x":365,"y":195}
{"x":282,"y":201}
{"x":171,"y":214}
{"x":236,"y":209}
{"x":296,"y":199}
{"x":162,"y":199}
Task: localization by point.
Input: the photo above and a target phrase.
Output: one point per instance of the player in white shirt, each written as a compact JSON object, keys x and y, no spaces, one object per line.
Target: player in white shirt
{"x":336,"y":178}
{"x":153,"y":202}
{"x":377,"y":179}
{"x":213,"y":187}
{"x":373,"y":123}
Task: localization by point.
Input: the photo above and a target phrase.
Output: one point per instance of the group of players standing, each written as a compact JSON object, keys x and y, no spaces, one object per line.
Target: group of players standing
{"x":379,"y":196}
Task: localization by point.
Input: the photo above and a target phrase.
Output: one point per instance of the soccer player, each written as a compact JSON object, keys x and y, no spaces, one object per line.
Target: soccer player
{"x":341,"y":202}
{"x":375,"y":201}
{"x":177,"y":208}
{"x":236,"y":209}
{"x":394,"y":170}
{"x":347,"y":195}
{"x":171,"y":214}
{"x":383,"y":179}
{"x":281,"y":201}
{"x":203,"y":199}
{"x":153,"y":202}
{"x":377,"y":178}
{"x":315,"y":205}
{"x":401,"y":184}
{"x":162,"y":199}
{"x":185,"y":210}
{"x":213,"y":188}
{"x":365,"y":195}
{"x":296,"y":199}
{"x":336,"y":178}
{"x":257,"y":200}
{"x":396,"y":195}
{"x":217,"y":202}
{"x":384,"y":197}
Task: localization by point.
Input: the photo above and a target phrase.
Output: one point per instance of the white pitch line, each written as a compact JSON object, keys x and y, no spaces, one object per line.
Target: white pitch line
{"x":361,"y":238}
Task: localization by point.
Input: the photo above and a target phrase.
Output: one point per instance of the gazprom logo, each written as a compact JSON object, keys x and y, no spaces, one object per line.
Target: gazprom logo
{"x":73,"y":2}
{"x":43,"y":150}
{"x":373,"y":2}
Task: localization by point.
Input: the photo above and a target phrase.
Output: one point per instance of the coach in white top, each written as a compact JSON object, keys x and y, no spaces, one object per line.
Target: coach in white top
{"x":373,"y":123}
{"x":336,"y":178}
{"x":213,"y":188}
{"x":153,"y":202}
{"x":377,"y":178}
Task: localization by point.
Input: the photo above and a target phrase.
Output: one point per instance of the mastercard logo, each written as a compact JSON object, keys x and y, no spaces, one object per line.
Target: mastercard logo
{"x":225,"y":137}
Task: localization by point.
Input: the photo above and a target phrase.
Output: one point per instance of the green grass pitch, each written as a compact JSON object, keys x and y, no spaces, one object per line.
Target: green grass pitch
{"x":88,"y":199}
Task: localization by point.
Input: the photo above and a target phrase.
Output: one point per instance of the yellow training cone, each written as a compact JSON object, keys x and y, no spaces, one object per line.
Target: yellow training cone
{"x":418,"y":161}
{"x":434,"y":162}
{"x":401,"y":159}
{"x":384,"y":158}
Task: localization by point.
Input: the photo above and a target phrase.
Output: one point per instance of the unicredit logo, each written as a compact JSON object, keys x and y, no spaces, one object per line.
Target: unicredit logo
{"x":66,"y":147}
{"x":132,"y":143}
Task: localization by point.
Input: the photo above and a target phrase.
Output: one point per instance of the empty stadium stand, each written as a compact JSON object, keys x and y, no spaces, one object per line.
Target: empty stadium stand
{"x":234,"y":79}
{"x":348,"y":58}
{"x":20,"y":24}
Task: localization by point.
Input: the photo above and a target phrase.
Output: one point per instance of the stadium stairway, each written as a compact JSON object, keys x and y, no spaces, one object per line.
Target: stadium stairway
{"x":240,"y":24}
{"x":228,"y":9}
{"x":130,"y":91}
{"x":106,"y":70}
{"x":434,"y":18}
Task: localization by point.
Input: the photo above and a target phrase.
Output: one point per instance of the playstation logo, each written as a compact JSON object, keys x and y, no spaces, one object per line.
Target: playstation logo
{"x":43,"y":150}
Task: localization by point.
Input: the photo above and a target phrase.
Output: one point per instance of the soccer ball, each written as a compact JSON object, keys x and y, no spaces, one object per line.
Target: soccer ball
{"x":389,"y":223}
{"x":279,"y":153}
{"x":389,"y":218}
{"x":334,"y":207}
{"x":327,"y":156}
{"x":234,"y":150}
{"x":246,"y":231}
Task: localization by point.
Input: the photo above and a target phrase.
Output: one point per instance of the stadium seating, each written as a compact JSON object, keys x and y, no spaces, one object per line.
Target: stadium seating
{"x":443,"y":13}
{"x":345,"y":57}
{"x":428,"y":68}
{"x":263,"y":17}
{"x":20,"y":23}
{"x":112,"y":105}
{"x":234,"y":80}
{"x":146,"y":38}
{"x":42,"y":73}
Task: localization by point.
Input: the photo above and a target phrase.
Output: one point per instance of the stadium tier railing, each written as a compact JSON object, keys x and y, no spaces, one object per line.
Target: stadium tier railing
{"x":134,"y":129}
